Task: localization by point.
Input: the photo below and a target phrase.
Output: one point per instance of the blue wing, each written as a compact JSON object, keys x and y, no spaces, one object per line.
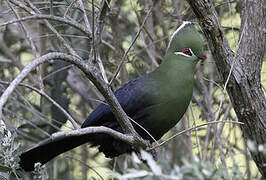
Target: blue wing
{"x":132,"y":98}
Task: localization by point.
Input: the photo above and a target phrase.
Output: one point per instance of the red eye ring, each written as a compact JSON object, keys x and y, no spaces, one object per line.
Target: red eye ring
{"x":187,"y":51}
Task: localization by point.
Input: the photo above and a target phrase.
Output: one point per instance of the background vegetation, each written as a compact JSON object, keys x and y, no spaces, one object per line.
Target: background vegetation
{"x":136,"y":32}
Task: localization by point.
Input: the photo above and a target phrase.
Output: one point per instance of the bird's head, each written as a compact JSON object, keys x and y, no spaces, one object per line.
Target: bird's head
{"x":187,"y":42}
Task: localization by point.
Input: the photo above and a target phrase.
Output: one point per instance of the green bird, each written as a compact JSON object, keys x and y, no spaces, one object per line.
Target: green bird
{"x":156,"y":101}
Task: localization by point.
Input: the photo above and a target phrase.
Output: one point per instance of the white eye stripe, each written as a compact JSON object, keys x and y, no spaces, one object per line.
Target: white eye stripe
{"x":186,"y":55}
{"x":181,"y":53}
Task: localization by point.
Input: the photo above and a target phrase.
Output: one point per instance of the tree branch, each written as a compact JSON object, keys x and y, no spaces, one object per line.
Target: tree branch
{"x":94,"y":75}
{"x":68,"y":21}
{"x":193,"y":128}
{"x":244,"y":85}
{"x":91,"y":130}
{"x":42,"y":93}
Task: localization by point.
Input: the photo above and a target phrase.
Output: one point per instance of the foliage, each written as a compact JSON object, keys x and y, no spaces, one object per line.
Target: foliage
{"x":33,"y":117}
{"x":8,"y":151}
{"x":190,"y":170}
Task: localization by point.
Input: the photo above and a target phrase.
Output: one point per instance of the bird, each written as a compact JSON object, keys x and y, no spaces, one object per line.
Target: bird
{"x":155,"y":101}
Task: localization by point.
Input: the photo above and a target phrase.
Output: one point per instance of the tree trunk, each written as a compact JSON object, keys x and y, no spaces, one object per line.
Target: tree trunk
{"x":241,"y":70}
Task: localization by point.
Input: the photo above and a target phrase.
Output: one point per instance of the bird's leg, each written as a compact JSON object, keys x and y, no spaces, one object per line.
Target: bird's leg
{"x":153,"y":152}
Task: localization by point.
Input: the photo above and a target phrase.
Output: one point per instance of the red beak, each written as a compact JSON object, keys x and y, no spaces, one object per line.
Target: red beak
{"x":203,"y":56}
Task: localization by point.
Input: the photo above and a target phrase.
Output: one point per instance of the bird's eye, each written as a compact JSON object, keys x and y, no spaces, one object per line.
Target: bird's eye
{"x":187,"y":51}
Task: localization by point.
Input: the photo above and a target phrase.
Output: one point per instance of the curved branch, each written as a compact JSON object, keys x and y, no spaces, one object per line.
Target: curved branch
{"x":26,"y":71}
{"x":91,"y":130}
{"x":54,"y":18}
{"x":93,"y":74}
{"x":42,"y":93}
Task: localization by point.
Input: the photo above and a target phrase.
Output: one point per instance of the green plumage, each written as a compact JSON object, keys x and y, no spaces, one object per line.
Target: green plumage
{"x":169,"y":88}
{"x":156,"y":101}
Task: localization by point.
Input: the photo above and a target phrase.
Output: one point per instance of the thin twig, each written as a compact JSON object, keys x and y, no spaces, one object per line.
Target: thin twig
{"x":68,"y":7}
{"x":135,"y":122}
{"x":193,"y":128}
{"x":42,"y":93}
{"x":67,"y":21}
{"x":97,"y":33}
{"x":132,"y":43}
{"x":86,"y":165}
{"x":85,"y":15}
{"x":196,"y":130}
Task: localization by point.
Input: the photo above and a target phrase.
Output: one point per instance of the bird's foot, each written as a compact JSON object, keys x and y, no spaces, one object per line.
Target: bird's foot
{"x":153,"y":153}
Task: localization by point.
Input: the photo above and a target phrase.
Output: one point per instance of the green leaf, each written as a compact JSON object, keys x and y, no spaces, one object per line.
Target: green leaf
{"x":5,"y":168}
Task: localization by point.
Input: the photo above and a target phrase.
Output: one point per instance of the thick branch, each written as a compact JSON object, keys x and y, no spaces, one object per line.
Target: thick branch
{"x":90,"y":130}
{"x":93,"y":74}
{"x":240,"y":71}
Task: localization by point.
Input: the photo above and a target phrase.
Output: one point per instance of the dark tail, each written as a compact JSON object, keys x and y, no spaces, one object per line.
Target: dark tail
{"x":48,"y":149}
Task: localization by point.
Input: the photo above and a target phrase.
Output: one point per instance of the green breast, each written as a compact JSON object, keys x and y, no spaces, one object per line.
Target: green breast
{"x":170,"y":94}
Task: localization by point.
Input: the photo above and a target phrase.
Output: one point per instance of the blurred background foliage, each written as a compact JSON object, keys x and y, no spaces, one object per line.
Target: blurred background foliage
{"x":220,"y":150}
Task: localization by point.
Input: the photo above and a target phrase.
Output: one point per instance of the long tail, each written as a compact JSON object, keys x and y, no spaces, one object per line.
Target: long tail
{"x":48,"y":149}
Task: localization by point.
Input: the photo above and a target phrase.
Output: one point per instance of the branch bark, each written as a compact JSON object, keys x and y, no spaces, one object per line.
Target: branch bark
{"x":241,"y":70}
{"x":69,"y":22}
{"x":94,"y":75}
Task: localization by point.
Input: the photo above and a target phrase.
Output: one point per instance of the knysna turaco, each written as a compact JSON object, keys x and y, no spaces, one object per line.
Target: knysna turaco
{"x":156,"y":101}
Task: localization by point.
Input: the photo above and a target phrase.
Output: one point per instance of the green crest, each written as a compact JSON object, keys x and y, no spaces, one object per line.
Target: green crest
{"x":186,"y":36}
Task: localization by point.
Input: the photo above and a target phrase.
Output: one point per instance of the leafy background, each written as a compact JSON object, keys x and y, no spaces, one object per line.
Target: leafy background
{"x":216,"y":151}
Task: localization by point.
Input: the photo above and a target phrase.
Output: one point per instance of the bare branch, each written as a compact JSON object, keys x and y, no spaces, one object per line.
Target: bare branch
{"x":132,"y":43}
{"x":33,"y":11}
{"x":85,"y":15}
{"x":93,"y":75}
{"x":67,"y":21}
{"x":42,"y":93}
{"x":91,"y":130}
{"x":193,"y":128}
